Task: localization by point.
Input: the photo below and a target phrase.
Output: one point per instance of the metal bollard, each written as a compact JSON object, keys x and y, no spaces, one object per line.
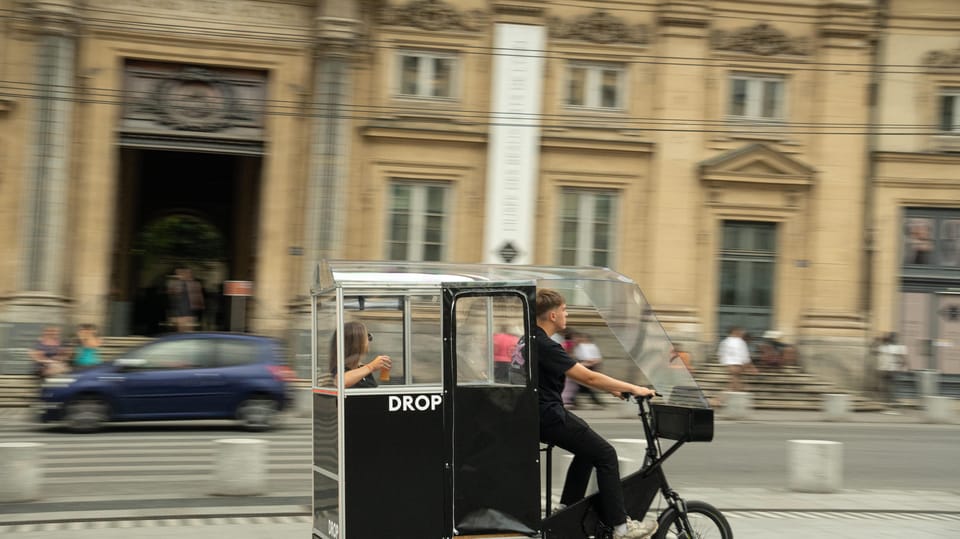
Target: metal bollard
{"x":241,"y":467}
{"x":737,"y":404}
{"x":836,"y":406}
{"x":815,"y":465}
{"x":20,"y":471}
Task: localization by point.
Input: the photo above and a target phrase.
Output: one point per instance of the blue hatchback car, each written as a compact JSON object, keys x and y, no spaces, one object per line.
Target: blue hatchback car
{"x":181,"y":376}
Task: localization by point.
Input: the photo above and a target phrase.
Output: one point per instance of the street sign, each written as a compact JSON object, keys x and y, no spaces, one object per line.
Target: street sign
{"x":237,"y":288}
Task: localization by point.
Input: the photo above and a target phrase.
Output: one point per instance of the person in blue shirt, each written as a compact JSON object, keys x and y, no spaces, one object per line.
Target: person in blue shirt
{"x":88,"y":343}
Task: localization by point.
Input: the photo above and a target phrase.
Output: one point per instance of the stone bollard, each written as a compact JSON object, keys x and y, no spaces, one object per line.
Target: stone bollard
{"x":20,"y":471}
{"x":836,"y":406}
{"x":241,"y":467}
{"x":815,"y":465}
{"x":938,"y":409}
{"x":928,"y":383}
{"x":737,"y":404}
{"x":303,"y":402}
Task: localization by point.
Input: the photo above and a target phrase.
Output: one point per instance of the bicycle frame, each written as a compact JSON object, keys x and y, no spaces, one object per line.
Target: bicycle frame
{"x":639,"y":490}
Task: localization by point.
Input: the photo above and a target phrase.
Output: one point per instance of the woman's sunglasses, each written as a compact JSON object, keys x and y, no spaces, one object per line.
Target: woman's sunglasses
{"x":369,"y":337}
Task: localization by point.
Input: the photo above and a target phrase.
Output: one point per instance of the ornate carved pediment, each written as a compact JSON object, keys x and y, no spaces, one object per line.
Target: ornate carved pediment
{"x":949,"y":58}
{"x":598,"y":27}
{"x":761,"y":39}
{"x":433,"y":15}
{"x":756,"y":163}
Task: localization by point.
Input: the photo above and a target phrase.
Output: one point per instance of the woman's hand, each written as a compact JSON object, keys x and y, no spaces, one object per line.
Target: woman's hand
{"x":381,"y":362}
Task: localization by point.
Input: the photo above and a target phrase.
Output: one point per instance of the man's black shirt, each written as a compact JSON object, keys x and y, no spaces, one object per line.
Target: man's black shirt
{"x":553,"y":363}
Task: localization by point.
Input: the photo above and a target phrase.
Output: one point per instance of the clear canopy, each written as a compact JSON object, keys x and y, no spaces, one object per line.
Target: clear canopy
{"x":629,"y":328}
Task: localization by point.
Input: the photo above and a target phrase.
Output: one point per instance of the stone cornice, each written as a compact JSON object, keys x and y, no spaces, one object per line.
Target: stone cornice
{"x":690,"y":13}
{"x":53,"y":16}
{"x":434,"y":16}
{"x":760,"y":39}
{"x":337,"y":36}
{"x":917,"y":157}
{"x":581,"y":141}
{"x":942,"y":59}
{"x":424,"y":129}
{"x":523,"y":8}
{"x":848,"y":19}
{"x":598,"y":27}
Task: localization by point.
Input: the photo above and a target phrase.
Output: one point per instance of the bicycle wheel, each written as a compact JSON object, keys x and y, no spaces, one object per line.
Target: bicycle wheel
{"x":706,"y":521}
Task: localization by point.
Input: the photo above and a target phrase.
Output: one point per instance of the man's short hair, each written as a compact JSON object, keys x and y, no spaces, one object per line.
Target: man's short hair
{"x":547,"y":300}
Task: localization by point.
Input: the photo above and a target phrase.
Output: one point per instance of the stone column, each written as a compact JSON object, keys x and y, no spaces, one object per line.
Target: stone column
{"x":337,"y":30}
{"x":833,"y":325}
{"x":39,"y":296}
{"x":46,"y":190}
{"x":683,"y":30}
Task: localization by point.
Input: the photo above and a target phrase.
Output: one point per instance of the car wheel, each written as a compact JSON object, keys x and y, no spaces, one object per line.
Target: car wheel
{"x":257,"y":413}
{"x":86,"y":414}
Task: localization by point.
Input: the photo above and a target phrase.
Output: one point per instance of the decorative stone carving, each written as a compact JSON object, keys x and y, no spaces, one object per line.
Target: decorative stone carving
{"x":761,"y":39}
{"x":433,"y":15}
{"x":193,"y":98}
{"x":943,"y":58}
{"x":598,"y":27}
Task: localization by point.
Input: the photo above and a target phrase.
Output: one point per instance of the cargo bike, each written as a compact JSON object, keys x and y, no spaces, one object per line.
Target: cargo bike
{"x":447,"y":445}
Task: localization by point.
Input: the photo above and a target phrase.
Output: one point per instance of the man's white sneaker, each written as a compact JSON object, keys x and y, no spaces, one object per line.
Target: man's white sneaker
{"x":636,"y":529}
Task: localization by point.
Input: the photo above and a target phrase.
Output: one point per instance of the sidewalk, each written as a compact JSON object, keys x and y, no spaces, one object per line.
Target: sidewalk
{"x":847,"y":514}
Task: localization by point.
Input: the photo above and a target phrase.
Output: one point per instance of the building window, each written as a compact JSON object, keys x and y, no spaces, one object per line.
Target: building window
{"x":587,"y":230}
{"x":417,"y":222}
{"x":931,"y":238}
{"x":950,"y":110}
{"x":757,"y":97}
{"x":595,"y":86}
{"x":425,"y":74}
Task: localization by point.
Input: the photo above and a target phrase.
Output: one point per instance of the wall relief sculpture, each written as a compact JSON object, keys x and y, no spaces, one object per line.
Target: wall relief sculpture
{"x":761,"y":39}
{"x":433,"y":15}
{"x":196,"y":99}
{"x":598,"y":27}
{"x":943,"y":58}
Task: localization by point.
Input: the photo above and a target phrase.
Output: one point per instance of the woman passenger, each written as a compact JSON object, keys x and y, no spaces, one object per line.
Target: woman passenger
{"x":356,"y":346}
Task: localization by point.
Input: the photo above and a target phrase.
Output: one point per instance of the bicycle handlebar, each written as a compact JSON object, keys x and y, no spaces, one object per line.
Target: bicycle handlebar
{"x":626,"y":396}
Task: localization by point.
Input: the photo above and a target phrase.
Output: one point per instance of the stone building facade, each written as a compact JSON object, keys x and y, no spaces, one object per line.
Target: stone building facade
{"x":748,"y":162}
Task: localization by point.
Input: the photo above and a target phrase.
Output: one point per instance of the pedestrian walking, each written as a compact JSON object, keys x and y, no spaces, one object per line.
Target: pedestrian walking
{"x":891,"y":358}
{"x":735,"y":354}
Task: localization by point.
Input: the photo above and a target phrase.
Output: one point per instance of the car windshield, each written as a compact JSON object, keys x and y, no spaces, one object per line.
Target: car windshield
{"x":599,"y":293}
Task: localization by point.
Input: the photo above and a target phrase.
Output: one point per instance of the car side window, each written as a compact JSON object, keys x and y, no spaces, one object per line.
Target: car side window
{"x":177,"y":354}
{"x":235,"y":352}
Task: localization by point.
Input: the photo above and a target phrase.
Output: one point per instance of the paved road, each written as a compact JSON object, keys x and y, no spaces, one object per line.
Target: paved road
{"x":147,"y":458}
{"x":148,"y":480}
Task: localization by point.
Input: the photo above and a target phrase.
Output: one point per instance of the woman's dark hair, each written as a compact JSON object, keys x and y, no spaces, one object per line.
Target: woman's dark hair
{"x":355,"y":338}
